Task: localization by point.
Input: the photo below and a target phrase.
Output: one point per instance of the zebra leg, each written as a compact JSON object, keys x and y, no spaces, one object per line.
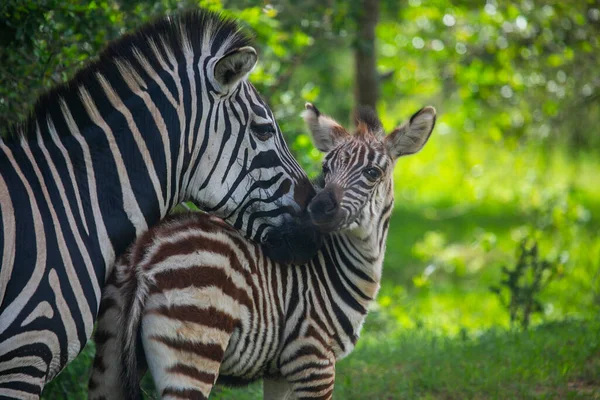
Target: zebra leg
{"x":311,"y":377}
{"x":14,"y":383}
{"x":183,"y":357}
{"x":105,"y":380}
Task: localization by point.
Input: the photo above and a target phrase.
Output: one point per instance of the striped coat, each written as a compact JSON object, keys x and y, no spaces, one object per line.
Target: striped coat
{"x":210,"y":306}
{"x":164,"y":115}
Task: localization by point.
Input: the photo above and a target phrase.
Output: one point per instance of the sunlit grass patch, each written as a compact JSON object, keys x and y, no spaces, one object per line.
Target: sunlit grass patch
{"x":551,"y":362}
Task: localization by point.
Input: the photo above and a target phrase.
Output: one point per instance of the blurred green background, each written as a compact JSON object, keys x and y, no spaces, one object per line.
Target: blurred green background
{"x":491,"y":283}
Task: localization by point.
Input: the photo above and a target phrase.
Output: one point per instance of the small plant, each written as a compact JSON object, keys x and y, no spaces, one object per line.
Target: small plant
{"x":524,"y":283}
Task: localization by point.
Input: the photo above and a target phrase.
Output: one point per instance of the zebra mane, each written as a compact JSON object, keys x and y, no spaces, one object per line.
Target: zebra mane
{"x":223,"y":34}
{"x":367,"y":120}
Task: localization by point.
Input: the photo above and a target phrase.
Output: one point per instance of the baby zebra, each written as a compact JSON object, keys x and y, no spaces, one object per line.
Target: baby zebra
{"x":208,"y":305}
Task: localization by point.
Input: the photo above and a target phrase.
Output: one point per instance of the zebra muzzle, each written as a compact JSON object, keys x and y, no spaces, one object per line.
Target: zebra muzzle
{"x":324,"y":209}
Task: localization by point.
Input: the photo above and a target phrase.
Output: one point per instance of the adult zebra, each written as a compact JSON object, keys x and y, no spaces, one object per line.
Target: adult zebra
{"x":163,"y":116}
{"x":211,"y":305}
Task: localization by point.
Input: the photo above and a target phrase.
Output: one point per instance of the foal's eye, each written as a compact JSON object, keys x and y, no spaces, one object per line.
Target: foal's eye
{"x":326,"y":170}
{"x":263,"y":131}
{"x":372,"y":173}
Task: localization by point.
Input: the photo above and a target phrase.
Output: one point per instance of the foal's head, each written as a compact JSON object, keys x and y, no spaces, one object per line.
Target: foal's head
{"x":358,"y":168}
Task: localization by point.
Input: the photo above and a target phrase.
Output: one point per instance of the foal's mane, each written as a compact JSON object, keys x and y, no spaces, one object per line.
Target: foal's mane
{"x":223,"y":33}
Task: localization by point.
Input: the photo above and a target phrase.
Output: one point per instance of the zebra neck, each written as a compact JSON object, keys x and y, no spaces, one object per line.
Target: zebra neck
{"x":358,"y":255}
{"x":112,"y":169}
{"x":357,"y":266}
{"x":365,"y":257}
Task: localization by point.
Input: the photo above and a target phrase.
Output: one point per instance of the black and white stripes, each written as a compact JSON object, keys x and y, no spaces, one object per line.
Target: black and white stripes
{"x":210,"y":307}
{"x":164,"y":115}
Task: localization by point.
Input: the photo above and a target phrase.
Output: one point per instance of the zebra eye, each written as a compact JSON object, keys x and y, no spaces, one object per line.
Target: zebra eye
{"x":326,"y":170}
{"x":263,"y":131}
{"x":372,"y":173}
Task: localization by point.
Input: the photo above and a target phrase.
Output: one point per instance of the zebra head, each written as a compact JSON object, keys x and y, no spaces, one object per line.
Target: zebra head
{"x":248,"y":176}
{"x":358,"y":169}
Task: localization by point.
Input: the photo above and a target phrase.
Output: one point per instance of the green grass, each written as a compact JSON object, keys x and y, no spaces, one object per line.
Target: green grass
{"x":560,"y":360}
{"x":552,"y":361}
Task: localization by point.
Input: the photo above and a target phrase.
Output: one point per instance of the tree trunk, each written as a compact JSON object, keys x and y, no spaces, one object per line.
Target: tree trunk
{"x":366,"y":81}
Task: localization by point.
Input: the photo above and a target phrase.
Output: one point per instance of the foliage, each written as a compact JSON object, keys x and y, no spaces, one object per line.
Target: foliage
{"x":452,"y":231}
{"x":524,"y":283}
{"x":506,"y":70}
{"x":45,"y":41}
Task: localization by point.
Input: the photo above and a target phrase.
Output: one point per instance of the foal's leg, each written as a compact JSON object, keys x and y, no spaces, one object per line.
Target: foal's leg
{"x":183,"y":353}
{"x":311,"y":376}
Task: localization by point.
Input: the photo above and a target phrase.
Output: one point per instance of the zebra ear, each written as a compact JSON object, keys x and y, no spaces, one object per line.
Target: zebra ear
{"x":326,"y":132}
{"x":233,"y":67}
{"x":412,"y":135}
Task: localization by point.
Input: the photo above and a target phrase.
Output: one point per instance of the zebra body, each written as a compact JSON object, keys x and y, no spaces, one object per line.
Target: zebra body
{"x":165,"y":115}
{"x":210,"y":305}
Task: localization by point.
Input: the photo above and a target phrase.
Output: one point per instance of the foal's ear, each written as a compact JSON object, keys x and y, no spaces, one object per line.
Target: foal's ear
{"x":233,"y":67}
{"x":326,"y":132}
{"x":412,"y":135}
